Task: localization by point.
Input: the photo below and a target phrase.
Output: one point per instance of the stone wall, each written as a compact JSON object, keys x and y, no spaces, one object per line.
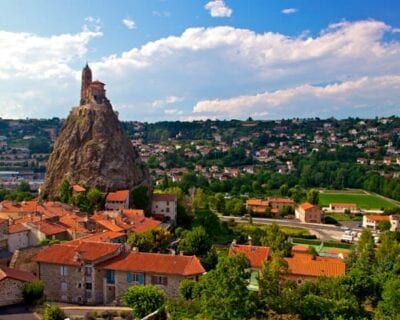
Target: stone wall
{"x":11,"y":291}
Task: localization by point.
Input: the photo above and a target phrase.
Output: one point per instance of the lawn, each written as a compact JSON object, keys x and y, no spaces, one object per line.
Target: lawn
{"x":290,"y":231}
{"x":338,"y":216}
{"x":363,"y":201}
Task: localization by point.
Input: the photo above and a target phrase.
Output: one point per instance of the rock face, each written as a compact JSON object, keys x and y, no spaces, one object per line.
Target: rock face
{"x":93,"y":151}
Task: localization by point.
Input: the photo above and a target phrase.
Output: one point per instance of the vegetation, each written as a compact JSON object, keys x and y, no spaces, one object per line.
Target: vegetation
{"x":33,"y":293}
{"x":53,"y":312}
{"x":144,"y":299}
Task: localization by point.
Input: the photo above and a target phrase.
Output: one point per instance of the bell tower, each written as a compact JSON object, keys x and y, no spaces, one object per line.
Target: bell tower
{"x":86,"y":81}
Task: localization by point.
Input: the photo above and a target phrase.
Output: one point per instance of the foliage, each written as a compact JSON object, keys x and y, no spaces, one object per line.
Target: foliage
{"x":224,"y":289}
{"x":96,"y":198}
{"x":313,"y":196}
{"x":384,"y":225}
{"x":155,"y":240}
{"x":140,"y":198}
{"x":195,"y":242}
{"x":389,"y":307}
{"x":187,"y":289}
{"x":53,"y":312}
{"x":277,"y":240}
{"x":65,"y":192}
{"x":144,"y":299}
{"x":33,"y":293}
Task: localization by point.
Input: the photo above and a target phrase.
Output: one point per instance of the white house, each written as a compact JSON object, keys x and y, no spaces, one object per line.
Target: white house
{"x":372,"y":221}
{"x":117,"y":200}
{"x":164,"y":205}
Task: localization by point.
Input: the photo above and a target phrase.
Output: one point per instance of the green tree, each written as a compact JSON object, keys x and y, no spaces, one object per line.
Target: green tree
{"x":389,"y":307}
{"x":23,"y":186}
{"x":276,"y":239}
{"x":313,"y":196}
{"x":384,"y":225}
{"x":284,"y":190}
{"x":53,"y":312}
{"x":196,"y":242}
{"x":224,"y":293}
{"x":65,"y":192}
{"x":144,"y":299}
{"x":140,"y":198}
{"x":155,"y":240}
{"x":95,"y":197}
{"x":187,"y":289}
{"x":33,"y":292}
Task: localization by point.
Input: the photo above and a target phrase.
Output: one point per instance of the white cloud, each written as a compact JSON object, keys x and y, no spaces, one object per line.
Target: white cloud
{"x":129,"y":23}
{"x":218,"y":8}
{"x":166,"y":101}
{"x":289,"y":11}
{"x":375,"y":92}
{"x":165,"y":14}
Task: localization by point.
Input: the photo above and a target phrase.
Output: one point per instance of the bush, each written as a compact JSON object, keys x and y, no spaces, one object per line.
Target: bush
{"x":53,"y":313}
{"x":33,"y":293}
{"x":144,"y":299}
{"x":186,"y":289}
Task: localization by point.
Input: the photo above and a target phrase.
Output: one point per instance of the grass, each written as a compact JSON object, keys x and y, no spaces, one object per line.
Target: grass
{"x":363,"y":201}
{"x":328,"y":245}
{"x":290,"y":231}
{"x":338,"y":216}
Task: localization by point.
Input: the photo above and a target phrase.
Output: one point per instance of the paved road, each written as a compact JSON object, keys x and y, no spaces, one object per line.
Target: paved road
{"x":16,"y":313}
{"x":322,"y":231}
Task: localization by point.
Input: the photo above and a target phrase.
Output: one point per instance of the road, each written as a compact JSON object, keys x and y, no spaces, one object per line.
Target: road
{"x":322,"y":231}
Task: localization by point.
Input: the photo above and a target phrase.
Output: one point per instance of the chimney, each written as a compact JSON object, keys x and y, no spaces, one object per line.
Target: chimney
{"x":234,"y":242}
{"x":135,"y":249}
{"x":181,"y":253}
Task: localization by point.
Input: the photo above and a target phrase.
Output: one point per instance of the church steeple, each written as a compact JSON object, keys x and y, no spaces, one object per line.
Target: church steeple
{"x":86,"y":81}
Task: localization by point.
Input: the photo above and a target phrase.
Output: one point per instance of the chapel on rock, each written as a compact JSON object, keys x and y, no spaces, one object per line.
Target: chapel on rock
{"x":91,"y":91}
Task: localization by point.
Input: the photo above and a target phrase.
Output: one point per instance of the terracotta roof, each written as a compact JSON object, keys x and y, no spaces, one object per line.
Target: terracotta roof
{"x":15,"y":274}
{"x":256,"y":202}
{"x":72,"y":253}
{"x":49,"y":229}
{"x":3,"y":221}
{"x":281,"y":200}
{"x":109,"y":225}
{"x":307,"y":206}
{"x":156,"y":263}
{"x":73,"y":222}
{"x":303,"y":264}
{"x":343,"y":205}
{"x":16,"y":228}
{"x":118,"y":196}
{"x":164,"y":197}
{"x":256,"y":254}
{"x":106,"y":236}
{"x":300,"y":248}
{"x":378,"y":218}
{"x":78,"y":188}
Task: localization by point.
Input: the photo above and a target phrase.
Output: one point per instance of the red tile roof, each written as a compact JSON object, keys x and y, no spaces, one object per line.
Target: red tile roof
{"x":78,"y":188}
{"x":156,"y":263}
{"x":164,"y":197}
{"x":15,"y":274}
{"x":106,"y":236}
{"x":307,"y":206}
{"x":302,"y":264}
{"x":378,"y":218}
{"x":256,"y":254}
{"x":16,"y":228}
{"x":72,"y":252}
{"x":109,"y":225}
{"x":118,"y":196}
{"x":49,"y":229}
{"x":256,"y":202}
{"x":281,"y":200}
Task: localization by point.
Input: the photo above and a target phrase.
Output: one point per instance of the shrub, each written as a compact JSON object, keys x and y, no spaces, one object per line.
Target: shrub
{"x":144,"y":299}
{"x":186,"y":289}
{"x":33,"y":293}
{"x":53,"y":312}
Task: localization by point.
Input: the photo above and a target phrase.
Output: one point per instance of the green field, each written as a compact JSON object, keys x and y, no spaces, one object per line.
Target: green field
{"x":363,"y":200}
{"x":289,"y":231}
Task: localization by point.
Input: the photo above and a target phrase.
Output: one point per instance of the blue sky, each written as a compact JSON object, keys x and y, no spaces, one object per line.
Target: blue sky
{"x":193,"y":59}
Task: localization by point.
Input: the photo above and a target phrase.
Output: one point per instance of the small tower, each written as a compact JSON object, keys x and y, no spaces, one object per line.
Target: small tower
{"x":86,"y":81}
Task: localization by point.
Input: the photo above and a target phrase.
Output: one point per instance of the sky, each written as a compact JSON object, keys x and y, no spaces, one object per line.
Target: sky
{"x":203,"y":59}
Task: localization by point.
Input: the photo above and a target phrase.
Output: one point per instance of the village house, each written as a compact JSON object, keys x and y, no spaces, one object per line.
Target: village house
{"x":343,"y":207}
{"x":279,"y":203}
{"x":164,"y":206}
{"x":256,"y":255}
{"x":308,"y":213}
{"x":12,"y":282}
{"x":3,"y":233}
{"x":372,"y":221}
{"x":117,"y":200}
{"x":18,"y":237}
{"x":69,"y":270}
{"x":304,"y":266}
{"x":165,"y":271}
{"x":258,"y":206}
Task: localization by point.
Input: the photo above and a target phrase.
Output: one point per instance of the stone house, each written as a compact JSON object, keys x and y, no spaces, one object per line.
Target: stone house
{"x":3,"y":234}
{"x":165,"y":271}
{"x":308,"y":213}
{"x":18,"y":237}
{"x":164,"y":205}
{"x":117,"y":200}
{"x":69,"y":270}
{"x":12,"y":282}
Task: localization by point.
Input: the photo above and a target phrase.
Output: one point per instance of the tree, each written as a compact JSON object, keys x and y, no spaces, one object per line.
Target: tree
{"x":389,"y":307}
{"x":196,"y":242}
{"x":140,"y":198}
{"x":276,"y":239}
{"x":155,"y":240}
{"x":384,"y":225}
{"x":95,"y":197}
{"x":33,"y":292}
{"x":53,"y":312}
{"x":144,"y":299}
{"x":284,"y":190}
{"x":23,"y":186}
{"x":223,"y":291}
{"x":187,"y":289}
{"x":313,"y":196}
{"x":65,"y":192}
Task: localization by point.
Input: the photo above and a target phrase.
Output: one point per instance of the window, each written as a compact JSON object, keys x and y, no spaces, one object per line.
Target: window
{"x":64,"y":270}
{"x":167,"y":210}
{"x":161,"y":280}
{"x":88,"y":286}
{"x":135,"y":277}
{"x":88,"y":270}
{"x":110,"y":276}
